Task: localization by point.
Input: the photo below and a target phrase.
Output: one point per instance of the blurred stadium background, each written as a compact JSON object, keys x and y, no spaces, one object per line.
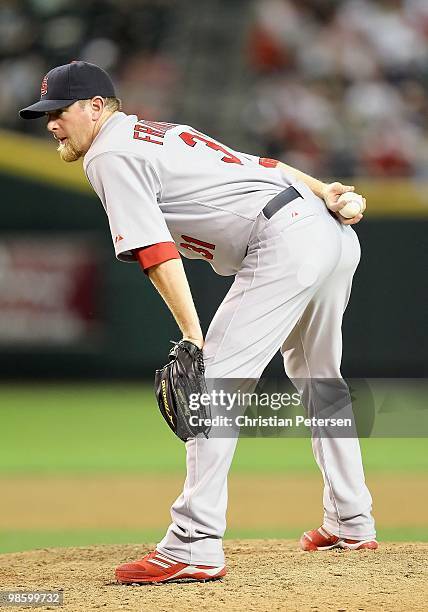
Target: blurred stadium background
{"x":336,"y":88}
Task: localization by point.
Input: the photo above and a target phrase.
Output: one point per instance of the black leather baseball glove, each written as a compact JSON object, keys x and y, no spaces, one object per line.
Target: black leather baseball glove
{"x":174,"y":385}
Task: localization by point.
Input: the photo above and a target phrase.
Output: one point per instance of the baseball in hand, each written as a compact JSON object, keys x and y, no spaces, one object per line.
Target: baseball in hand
{"x":354,"y":204}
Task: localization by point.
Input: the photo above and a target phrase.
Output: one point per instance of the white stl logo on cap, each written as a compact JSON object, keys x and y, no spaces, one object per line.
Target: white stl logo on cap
{"x":44,"y":86}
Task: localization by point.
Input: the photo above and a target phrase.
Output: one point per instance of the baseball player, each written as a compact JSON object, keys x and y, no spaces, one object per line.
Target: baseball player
{"x":170,"y":191}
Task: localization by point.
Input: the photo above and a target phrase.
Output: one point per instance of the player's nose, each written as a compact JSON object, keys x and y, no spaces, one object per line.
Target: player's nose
{"x":51,"y":124}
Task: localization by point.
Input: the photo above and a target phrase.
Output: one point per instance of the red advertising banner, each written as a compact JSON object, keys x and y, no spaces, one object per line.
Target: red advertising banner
{"x":48,"y":291}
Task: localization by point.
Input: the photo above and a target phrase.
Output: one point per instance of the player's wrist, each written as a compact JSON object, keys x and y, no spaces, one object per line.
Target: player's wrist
{"x":325,"y":191}
{"x":198,"y":339}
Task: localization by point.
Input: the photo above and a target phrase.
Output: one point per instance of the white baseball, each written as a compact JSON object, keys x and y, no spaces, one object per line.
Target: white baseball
{"x":354,"y":204}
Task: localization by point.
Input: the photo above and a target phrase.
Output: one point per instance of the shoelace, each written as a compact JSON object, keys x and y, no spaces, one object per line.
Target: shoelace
{"x":200,"y":361}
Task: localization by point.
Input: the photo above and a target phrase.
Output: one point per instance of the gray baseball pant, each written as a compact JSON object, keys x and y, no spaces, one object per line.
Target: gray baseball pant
{"x":290,"y":295}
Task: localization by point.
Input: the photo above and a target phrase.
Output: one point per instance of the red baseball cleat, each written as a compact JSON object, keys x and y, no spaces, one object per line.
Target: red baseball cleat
{"x":155,"y":567}
{"x":320,"y":539}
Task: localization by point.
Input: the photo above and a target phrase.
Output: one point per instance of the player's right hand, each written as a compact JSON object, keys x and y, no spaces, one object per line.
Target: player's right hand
{"x":332,"y":192}
{"x":331,"y":195}
{"x":352,"y":221}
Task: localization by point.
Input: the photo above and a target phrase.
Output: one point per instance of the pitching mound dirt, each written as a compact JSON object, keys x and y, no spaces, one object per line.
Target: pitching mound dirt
{"x":263,"y":575}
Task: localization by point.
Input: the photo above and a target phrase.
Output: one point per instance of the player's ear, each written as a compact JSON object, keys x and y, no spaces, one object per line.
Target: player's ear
{"x":97,"y":106}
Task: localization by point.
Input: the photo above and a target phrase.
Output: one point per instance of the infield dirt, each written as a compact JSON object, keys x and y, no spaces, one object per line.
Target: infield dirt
{"x":256,"y":502}
{"x":263,"y":575}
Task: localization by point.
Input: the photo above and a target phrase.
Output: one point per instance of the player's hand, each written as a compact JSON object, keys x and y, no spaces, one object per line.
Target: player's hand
{"x":331,"y":195}
{"x":180,"y":380}
{"x":352,"y":221}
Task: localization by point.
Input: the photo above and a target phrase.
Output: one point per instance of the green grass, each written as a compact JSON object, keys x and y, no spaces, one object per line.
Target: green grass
{"x":116,"y":428}
{"x":89,"y":428}
{"x":16,"y":541}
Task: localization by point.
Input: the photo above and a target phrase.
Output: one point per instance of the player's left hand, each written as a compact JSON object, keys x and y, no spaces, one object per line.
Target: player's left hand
{"x":331,"y":195}
{"x":176,"y":383}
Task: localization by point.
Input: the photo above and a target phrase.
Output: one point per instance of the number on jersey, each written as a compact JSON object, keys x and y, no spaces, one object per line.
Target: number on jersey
{"x":191,"y":138}
{"x":198,"y":246}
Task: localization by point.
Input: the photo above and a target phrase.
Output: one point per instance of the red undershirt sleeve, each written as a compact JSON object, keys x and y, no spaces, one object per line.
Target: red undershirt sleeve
{"x":155,"y":254}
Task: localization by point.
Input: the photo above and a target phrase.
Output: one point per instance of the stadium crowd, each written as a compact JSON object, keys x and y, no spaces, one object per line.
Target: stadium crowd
{"x":125,"y":37}
{"x":337,"y":87}
{"x":341,"y":87}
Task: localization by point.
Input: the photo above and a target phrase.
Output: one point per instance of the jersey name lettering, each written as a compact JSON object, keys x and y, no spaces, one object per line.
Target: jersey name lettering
{"x":152,"y":131}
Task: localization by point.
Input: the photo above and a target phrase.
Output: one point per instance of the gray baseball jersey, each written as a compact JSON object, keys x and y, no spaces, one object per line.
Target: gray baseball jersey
{"x":162,"y":182}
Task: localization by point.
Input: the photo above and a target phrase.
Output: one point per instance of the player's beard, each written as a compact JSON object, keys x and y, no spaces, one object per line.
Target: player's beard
{"x":68,"y":152}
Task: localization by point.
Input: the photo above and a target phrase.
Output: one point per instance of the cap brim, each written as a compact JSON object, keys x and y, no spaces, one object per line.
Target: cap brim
{"x":37,"y":110}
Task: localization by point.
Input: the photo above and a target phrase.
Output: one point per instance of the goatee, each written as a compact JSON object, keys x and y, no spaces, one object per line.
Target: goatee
{"x":68,"y":153}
